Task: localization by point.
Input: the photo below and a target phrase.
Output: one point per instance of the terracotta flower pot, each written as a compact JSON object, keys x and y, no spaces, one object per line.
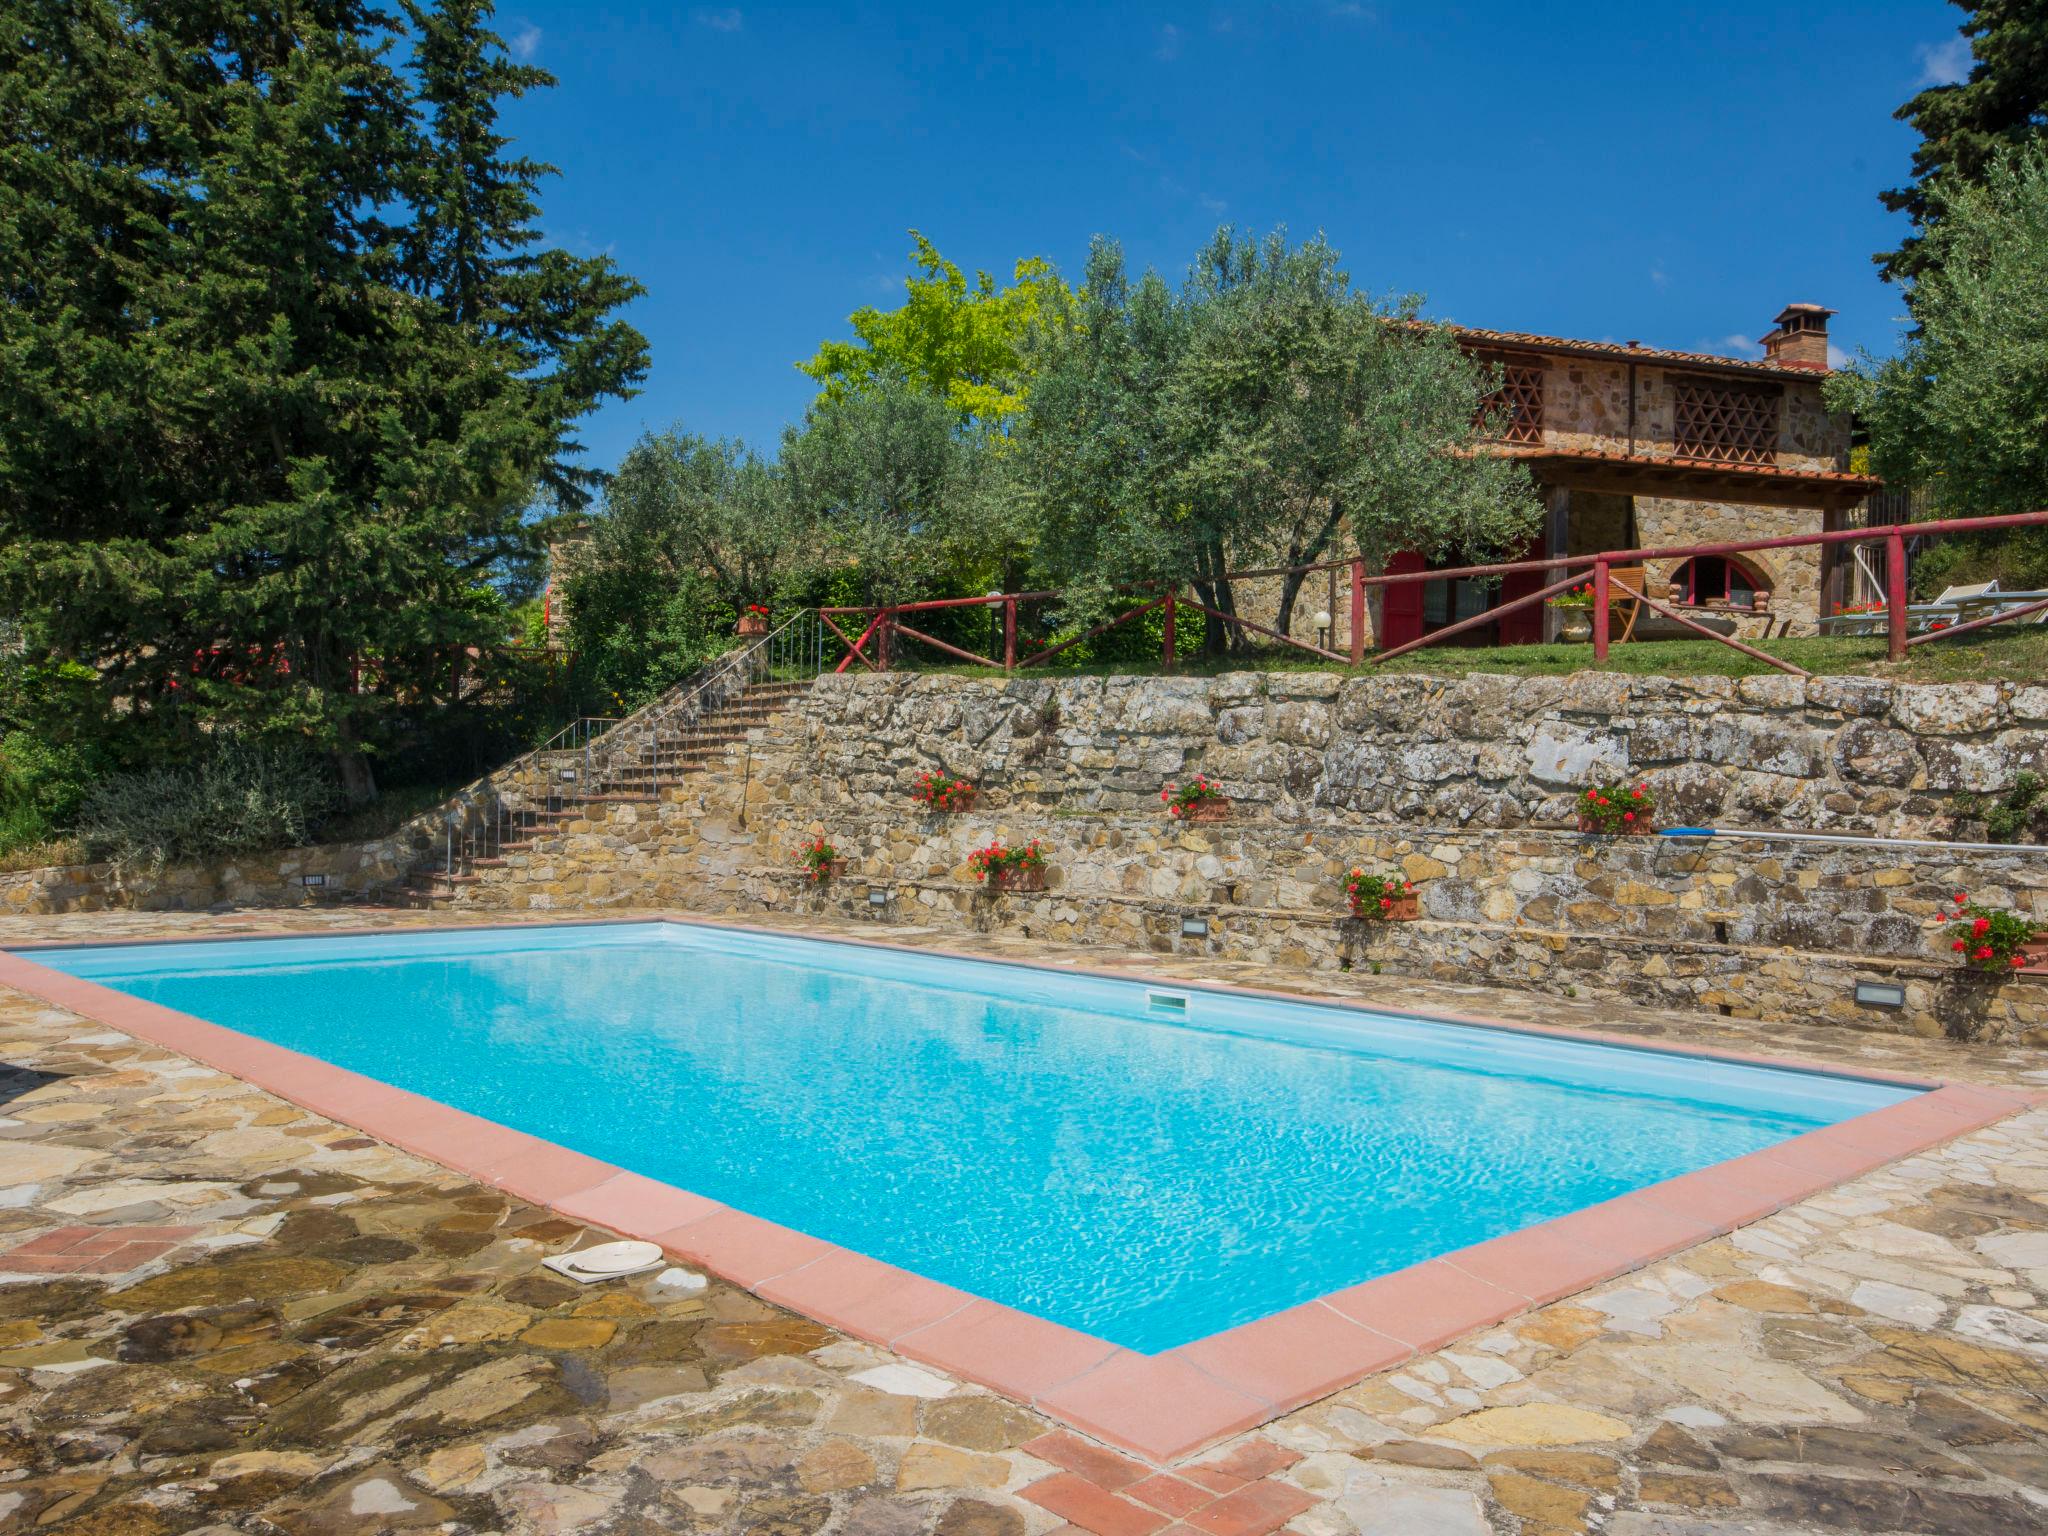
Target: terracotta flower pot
{"x":831,"y":869}
{"x":1640,"y":827}
{"x":959,"y":800}
{"x":2035,"y":953}
{"x":1027,"y":877}
{"x":752,"y":625}
{"x":1206,"y":810}
{"x":1405,"y":909}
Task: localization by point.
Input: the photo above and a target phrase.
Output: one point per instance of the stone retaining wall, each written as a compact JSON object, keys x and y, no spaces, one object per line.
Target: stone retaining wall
{"x":1850,"y":754}
{"x":1748,"y":929}
{"x":1450,"y":782}
{"x":1746,"y":926}
{"x":338,"y":871}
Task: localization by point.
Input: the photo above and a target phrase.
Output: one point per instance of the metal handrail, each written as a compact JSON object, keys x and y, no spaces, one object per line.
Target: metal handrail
{"x":591,"y":755}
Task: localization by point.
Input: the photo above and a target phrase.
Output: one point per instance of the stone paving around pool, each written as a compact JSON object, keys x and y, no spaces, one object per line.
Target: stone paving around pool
{"x":220,"y":1312}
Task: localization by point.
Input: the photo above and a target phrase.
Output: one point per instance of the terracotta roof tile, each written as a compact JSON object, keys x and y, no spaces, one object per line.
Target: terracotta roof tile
{"x":1625,"y":352}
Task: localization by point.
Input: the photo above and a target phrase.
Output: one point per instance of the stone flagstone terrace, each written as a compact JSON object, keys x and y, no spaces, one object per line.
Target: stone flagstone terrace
{"x":224,"y":1313}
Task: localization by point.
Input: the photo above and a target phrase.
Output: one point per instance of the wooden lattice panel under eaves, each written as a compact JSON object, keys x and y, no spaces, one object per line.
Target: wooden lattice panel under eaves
{"x":1726,"y":423}
{"x":1519,"y":400}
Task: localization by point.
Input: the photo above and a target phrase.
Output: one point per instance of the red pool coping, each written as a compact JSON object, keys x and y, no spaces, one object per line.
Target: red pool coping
{"x":1162,"y":1407}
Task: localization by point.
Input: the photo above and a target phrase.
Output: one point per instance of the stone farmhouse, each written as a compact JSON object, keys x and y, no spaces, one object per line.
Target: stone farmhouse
{"x":1637,"y":447}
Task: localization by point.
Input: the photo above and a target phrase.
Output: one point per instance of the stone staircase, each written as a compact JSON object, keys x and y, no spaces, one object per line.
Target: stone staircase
{"x":638,"y":763}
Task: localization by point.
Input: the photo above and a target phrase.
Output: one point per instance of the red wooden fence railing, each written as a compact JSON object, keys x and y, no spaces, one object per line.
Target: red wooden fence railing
{"x":886,"y":622}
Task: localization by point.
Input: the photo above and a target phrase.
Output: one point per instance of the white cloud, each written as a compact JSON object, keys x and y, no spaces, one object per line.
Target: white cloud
{"x":1351,"y":10}
{"x":1944,"y":63}
{"x":1837,"y":358}
{"x":524,"y":43}
{"x":1213,"y":206}
{"x":1659,"y":278}
{"x":1169,"y":43}
{"x":727,"y":20}
{"x":1738,"y":346}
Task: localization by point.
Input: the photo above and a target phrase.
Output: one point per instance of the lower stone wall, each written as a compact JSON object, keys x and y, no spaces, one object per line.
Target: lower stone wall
{"x":286,"y":878}
{"x":1742,"y":927}
{"x":1465,"y":774}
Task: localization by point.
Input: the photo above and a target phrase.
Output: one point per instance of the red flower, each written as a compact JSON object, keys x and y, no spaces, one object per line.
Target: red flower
{"x":2018,"y":961}
{"x":1628,"y":815}
{"x":1959,"y":946}
{"x":1981,"y":927}
{"x":1386,"y":901}
{"x":1983,"y":954}
{"x":1961,"y":897}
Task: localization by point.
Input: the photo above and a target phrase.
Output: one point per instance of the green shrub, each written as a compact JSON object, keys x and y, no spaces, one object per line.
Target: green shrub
{"x":44,"y":781}
{"x":2020,"y":815}
{"x":238,"y":798}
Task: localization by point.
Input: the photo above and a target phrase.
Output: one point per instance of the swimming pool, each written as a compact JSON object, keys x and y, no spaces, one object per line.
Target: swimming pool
{"x":1147,"y":1165}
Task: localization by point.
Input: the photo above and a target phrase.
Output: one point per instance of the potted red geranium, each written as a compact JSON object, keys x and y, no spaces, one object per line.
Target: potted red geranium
{"x":1010,"y":869}
{"x":1200,"y":799}
{"x":942,"y":792}
{"x":1389,"y":897}
{"x":1991,"y":939}
{"x":821,"y":861}
{"x":754,"y":619}
{"x":1617,"y":810}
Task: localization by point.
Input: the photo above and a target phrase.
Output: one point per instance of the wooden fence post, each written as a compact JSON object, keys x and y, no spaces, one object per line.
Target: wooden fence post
{"x":1357,"y":610}
{"x":1600,"y":610}
{"x":1895,"y":592}
{"x":1009,"y":634}
{"x":1166,"y":646}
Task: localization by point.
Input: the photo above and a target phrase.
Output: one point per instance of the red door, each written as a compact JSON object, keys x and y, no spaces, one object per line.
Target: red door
{"x":1401,"y":609}
{"x":1525,"y":625}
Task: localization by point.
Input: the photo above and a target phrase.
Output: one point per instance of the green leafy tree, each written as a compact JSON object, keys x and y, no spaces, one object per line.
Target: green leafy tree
{"x":877,"y":481}
{"x":1966,"y":125}
{"x":1265,"y":413}
{"x":269,"y":419}
{"x":690,"y":531}
{"x":1963,"y":408}
{"x":1093,"y":454}
{"x":962,"y":342}
{"x":1306,"y":416}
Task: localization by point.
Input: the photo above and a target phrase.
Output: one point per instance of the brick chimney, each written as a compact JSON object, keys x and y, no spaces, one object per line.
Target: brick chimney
{"x":1801,"y":339}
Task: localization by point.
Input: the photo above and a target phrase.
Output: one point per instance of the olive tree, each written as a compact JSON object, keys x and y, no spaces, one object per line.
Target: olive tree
{"x":1263,"y":413}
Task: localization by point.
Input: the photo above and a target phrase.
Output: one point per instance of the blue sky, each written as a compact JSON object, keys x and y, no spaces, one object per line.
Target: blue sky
{"x":1665,"y":173}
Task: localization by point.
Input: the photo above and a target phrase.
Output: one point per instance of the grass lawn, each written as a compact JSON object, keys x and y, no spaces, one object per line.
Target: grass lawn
{"x":1996,"y":655}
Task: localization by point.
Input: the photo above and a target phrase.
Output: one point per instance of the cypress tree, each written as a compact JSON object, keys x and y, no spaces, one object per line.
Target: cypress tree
{"x":472,"y":245}
{"x":271,"y":411}
{"x":1965,"y":126}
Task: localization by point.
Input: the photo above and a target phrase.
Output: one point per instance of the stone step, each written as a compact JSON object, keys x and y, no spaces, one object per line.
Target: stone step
{"x":685,"y":743}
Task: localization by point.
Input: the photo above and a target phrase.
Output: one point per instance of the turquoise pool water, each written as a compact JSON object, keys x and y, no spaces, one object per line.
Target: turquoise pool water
{"x":1147,"y":1166}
